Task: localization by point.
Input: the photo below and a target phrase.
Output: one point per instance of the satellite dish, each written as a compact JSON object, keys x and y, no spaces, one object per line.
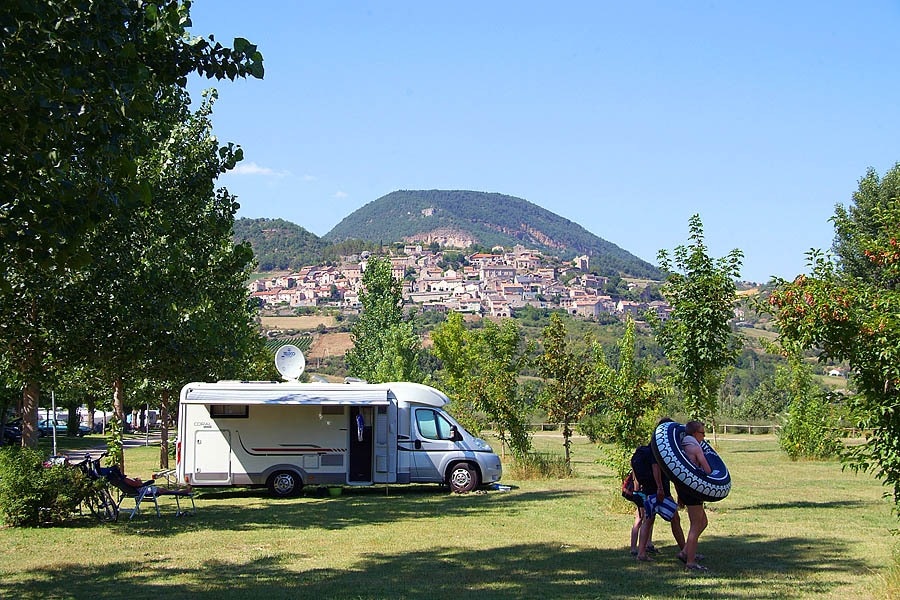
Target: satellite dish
{"x":290,"y":362}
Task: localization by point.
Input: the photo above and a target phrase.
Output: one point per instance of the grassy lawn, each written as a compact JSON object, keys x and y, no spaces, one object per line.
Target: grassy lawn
{"x":788,"y":530}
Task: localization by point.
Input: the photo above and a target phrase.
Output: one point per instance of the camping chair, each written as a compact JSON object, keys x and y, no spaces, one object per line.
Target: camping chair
{"x":146,"y":490}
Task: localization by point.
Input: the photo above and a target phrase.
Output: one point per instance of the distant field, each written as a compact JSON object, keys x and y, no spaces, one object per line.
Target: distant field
{"x":752,"y":332}
{"x":267,"y":275}
{"x":329,"y":344}
{"x":303,"y":323}
{"x":837,"y":383}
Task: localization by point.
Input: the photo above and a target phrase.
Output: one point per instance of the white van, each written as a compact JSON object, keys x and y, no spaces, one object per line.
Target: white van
{"x":287,"y":435}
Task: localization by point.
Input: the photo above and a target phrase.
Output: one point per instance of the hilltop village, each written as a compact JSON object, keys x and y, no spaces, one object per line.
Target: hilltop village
{"x":487,"y":284}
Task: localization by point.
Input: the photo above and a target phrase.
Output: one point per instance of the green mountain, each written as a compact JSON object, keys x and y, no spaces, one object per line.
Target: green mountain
{"x":463,"y":218}
{"x":278,"y":244}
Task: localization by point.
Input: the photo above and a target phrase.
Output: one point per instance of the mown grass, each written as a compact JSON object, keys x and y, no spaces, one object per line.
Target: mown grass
{"x":788,"y":530}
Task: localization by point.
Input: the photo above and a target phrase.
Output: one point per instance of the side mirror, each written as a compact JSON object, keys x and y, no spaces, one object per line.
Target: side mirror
{"x":455,"y":435}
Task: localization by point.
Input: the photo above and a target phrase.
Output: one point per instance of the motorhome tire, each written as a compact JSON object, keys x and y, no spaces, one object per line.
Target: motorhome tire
{"x":463,"y":478}
{"x":283,"y":484}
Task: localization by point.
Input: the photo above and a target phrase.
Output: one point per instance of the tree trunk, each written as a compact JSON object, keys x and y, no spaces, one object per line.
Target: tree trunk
{"x":30,"y":396}
{"x":119,"y":412}
{"x":119,"y":399}
{"x":91,"y":407}
{"x":164,"y":431}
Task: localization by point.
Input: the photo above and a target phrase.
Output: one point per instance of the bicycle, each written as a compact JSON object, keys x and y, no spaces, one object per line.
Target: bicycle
{"x":99,"y":500}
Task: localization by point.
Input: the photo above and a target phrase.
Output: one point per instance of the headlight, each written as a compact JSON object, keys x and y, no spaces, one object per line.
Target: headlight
{"x":482,"y":445}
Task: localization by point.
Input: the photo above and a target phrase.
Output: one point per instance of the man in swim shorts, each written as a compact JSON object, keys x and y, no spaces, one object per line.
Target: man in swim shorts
{"x":694,"y":433}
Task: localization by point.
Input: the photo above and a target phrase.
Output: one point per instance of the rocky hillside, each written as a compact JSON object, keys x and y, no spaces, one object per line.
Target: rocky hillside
{"x":462,"y":218}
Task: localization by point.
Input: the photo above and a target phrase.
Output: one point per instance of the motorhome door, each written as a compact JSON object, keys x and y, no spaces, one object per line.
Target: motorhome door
{"x":432,"y":442}
{"x":360,"y":430}
{"x":212,"y":456}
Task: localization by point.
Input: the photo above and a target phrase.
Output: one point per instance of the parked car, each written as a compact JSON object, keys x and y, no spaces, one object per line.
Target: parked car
{"x":12,"y":432}
{"x":46,"y":426}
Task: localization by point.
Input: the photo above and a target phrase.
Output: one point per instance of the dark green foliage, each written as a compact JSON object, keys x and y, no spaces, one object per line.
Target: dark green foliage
{"x":76,"y":81}
{"x":279,"y":245}
{"x":490,"y":220}
{"x":531,"y":316}
{"x":32,"y":495}
{"x":764,"y":403}
{"x":748,"y":390}
{"x":863,"y":221}
{"x":87,"y":90}
{"x":452,"y":260}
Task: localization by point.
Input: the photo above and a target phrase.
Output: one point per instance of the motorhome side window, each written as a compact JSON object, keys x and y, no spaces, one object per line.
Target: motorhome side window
{"x":229,"y":411}
{"x":432,"y":425}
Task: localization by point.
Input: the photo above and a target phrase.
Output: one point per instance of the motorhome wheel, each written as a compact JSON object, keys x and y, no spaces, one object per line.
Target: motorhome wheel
{"x":463,"y":478}
{"x":284,"y":484}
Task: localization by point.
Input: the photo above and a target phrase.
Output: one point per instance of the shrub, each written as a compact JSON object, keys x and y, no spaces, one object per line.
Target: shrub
{"x":808,"y":431}
{"x":539,"y":465}
{"x":32,"y":494}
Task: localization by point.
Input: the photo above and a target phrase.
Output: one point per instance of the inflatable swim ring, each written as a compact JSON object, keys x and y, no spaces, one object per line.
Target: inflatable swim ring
{"x":666,"y":445}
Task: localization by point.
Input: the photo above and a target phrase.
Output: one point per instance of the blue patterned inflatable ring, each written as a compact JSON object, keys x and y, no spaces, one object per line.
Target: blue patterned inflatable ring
{"x":666,"y":445}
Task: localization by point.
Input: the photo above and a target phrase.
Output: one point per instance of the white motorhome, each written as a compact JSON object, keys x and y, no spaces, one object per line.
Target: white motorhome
{"x":287,"y":435}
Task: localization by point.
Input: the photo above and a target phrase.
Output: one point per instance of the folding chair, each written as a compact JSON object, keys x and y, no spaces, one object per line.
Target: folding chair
{"x":146,"y":490}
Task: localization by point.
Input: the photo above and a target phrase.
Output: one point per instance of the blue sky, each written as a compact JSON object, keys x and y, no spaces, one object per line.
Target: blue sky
{"x":625,"y":117}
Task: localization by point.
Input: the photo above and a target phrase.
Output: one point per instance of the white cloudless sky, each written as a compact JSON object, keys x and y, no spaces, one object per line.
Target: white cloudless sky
{"x":626,"y":118}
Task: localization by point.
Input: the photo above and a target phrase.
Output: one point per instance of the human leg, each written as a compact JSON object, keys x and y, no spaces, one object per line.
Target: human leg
{"x":646,"y":535}
{"x":697,"y":515}
{"x":636,"y":530}
{"x":677,"y":531}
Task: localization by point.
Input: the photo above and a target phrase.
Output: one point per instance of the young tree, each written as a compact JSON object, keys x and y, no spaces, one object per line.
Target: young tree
{"x":385,"y":347}
{"x":808,"y":429}
{"x":626,"y":396}
{"x":849,"y":309}
{"x":697,"y":338}
{"x":566,"y":374}
{"x":480,"y":370}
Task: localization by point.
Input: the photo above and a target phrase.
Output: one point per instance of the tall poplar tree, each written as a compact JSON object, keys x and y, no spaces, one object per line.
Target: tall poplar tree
{"x":385,"y":346}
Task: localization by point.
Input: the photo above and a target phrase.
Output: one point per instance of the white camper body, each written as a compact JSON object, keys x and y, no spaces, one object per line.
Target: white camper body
{"x":287,"y":435}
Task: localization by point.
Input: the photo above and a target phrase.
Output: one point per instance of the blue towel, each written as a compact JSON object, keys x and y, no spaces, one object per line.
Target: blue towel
{"x":665,"y":509}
